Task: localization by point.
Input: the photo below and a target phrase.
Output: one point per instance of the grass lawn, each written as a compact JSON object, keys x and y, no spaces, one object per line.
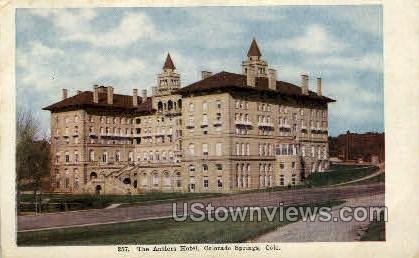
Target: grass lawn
{"x":376,"y":230}
{"x":339,"y":174}
{"x":62,"y":202}
{"x":160,"y":231}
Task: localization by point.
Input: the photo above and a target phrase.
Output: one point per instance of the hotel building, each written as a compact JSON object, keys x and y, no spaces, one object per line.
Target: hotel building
{"x":227,"y":132}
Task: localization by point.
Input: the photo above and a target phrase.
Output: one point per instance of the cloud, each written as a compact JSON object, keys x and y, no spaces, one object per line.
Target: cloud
{"x":368,"y":62}
{"x":77,"y":26}
{"x":315,"y":40}
{"x":366,"y":19}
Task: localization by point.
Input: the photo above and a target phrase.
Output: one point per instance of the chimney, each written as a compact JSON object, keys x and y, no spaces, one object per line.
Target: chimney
{"x":272,"y":79}
{"x":144,"y":94}
{"x":110,"y":94}
{"x":319,"y":86}
{"x":304,"y":84}
{"x":96,"y":93}
{"x":251,"y":76}
{"x":205,"y":74}
{"x":135,"y":97}
{"x":65,"y":92}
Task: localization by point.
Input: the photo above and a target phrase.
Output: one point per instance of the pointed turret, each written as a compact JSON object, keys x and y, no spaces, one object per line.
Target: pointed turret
{"x":254,"y":49}
{"x":168,"y":64}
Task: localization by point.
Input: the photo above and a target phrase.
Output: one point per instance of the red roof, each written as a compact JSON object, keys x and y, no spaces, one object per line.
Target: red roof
{"x":232,"y":81}
{"x":254,"y":49}
{"x":85,"y":100}
{"x":168,"y":64}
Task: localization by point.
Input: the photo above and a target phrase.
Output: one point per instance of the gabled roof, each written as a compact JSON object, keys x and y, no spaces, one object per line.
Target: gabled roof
{"x":254,"y":49}
{"x":232,"y":81}
{"x":168,"y":64}
{"x":85,"y":100}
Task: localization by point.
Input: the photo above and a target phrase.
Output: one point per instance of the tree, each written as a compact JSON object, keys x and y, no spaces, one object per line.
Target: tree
{"x":32,"y":154}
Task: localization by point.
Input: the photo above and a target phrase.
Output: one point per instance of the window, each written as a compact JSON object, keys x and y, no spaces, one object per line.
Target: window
{"x":237,"y":103}
{"x":76,"y":118}
{"x":108,"y":120}
{"x":281,"y":165}
{"x":178,"y":180}
{"x":205,"y":107}
{"x":293,"y":179}
{"x":218,"y":103}
{"x":117,"y":156}
{"x":67,"y":157}
{"x":237,"y":149}
{"x":219,"y":167}
{"x":205,"y":149}
{"x":219,"y":182}
{"x":191,"y":107}
{"x":192,"y":149}
{"x":76,"y":157}
{"x":281,"y":180}
{"x":166,"y":178}
{"x":138,"y":121}
{"x":57,"y":158}
{"x":191,"y":168}
{"x":105,"y":157}
{"x":155,"y":179}
{"x":205,"y":119}
{"x":205,"y":182}
{"x":92,"y":156}
{"x":204,"y":168}
{"x":247,"y":149}
{"x":218,"y":149}
{"x":293,"y":164}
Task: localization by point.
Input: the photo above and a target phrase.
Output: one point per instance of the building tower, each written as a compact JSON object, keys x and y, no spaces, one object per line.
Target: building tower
{"x":164,"y":99}
{"x":254,"y":66}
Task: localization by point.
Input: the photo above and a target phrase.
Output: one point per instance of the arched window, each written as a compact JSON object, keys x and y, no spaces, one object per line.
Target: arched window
{"x":130,"y":156}
{"x":155,"y":179}
{"x":204,"y":168}
{"x":117,"y":156}
{"x":159,"y":106}
{"x":93,"y":175}
{"x":166,"y":179}
{"x":105,"y":157}
{"x":170,"y":105}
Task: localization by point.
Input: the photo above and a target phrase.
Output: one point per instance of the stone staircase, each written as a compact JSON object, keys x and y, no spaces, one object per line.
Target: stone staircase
{"x":110,"y":184}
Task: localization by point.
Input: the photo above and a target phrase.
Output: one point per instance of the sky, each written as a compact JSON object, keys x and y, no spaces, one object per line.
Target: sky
{"x":126,"y":48}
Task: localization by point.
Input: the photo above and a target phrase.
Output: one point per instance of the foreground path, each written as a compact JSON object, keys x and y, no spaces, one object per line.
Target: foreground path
{"x":164,"y":210}
{"x":318,"y":231}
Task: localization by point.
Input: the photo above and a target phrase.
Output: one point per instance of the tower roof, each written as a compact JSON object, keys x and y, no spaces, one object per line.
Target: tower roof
{"x":254,"y":49}
{"x":168,"y":64}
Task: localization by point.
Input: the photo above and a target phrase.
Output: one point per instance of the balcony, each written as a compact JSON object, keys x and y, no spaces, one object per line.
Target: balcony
{"x":243,"y":123}
{"x":218,"y":123}
{"x":265,"y":124}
